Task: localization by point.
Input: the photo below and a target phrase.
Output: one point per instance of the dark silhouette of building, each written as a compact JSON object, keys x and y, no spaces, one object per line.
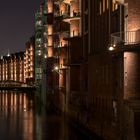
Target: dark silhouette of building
{"x":113,"y":68}
{"x":91,"y":63}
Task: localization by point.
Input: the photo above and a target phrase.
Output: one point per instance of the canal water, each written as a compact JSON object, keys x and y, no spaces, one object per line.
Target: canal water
{"x":22,"y":119}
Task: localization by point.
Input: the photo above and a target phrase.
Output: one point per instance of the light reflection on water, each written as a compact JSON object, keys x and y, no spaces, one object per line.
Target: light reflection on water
{"x":20,"y":120}
{"x":16,"y":115}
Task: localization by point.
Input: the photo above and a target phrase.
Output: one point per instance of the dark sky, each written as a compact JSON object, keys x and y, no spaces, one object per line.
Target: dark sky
{"x":16,"y":23}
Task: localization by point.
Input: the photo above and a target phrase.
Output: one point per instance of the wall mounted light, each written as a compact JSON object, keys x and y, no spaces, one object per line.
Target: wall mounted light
{"x":57,"y":69}
{"x":112,"y":47}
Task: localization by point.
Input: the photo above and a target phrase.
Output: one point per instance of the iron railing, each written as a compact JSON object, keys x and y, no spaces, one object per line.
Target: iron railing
{"x":125,"y":38}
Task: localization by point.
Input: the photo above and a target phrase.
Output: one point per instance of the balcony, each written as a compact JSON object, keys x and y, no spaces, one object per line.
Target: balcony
{"x":73,"y":34}
{"x":72,"y":16}
{"x":57,"y":14}
{"x":65,"y":34}
{"x":124,"y":40}
{"x":58,"y":46}
{"x":67,"y":1}
{"x":65,"y":64}
{"x":57,"y":2}
{"x":60,"y":50}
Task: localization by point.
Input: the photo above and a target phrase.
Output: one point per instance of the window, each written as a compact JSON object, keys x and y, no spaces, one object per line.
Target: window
{"x":114,"y":104}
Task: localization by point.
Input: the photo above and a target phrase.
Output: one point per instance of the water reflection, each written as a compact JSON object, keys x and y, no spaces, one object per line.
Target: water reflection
{"x":16,"y":116}
{"x":19,"y":120}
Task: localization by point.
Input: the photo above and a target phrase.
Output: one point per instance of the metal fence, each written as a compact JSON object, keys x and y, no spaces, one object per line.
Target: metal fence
{"x":126,"y":38}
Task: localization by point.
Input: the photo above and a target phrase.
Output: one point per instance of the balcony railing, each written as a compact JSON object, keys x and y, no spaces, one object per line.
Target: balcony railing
{"x":66,"y":1}
{"x":66,"y":34}
{"x":128,"y":37}
{"x":124,"y":39}
{"x":65,"y":63}
{"x":57,"y":14}
{"x":59,"y":46}
{"x":68,"y":16}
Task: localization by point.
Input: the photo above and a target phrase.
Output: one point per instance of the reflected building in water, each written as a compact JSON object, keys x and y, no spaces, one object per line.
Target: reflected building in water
{"x":16,"y":111}
{"x":15,"y":101}
{"x":20,"y":119}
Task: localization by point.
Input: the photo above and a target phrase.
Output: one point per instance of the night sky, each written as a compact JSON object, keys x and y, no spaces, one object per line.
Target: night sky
{"x":16,"y":24}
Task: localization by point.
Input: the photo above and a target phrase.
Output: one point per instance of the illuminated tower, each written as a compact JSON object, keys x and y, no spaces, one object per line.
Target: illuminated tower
{"x":41,"y":50}
{"x":29,"y":61}
{"x":39,"y":45}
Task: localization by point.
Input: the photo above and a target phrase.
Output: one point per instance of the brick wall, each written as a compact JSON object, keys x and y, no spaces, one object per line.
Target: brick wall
{"x":131,"y":74}
{"x":133,"y":14}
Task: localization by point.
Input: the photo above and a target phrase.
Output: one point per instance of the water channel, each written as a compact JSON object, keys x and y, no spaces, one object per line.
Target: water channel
{"x":22,"y":119}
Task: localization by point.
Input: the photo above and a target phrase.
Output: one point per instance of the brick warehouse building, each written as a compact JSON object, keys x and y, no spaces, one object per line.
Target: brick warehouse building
{"x":91,"y":63}
{"x":19,"y":67}
{"x":113,"y":74}
{"x":12,"y":67}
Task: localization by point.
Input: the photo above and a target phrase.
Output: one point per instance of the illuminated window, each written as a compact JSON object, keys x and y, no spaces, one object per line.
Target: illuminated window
{"x":103,"y":5}
{"x":114,"y":5}
{"x":39,"y":52}
{"x":50,"y":29}
{"x":45,"y":45}
{"x":50,"y":7}
{"x":38,"y":23}
{"x":100,"y":8}
{"x":114,"y":104}
{"x":49,"y":41}
{"x":107,"y":4}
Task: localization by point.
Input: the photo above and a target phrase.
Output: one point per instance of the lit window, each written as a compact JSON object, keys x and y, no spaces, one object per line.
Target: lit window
{"x":39,"y":52}
{"x":107,"y":4}
{"x":45,"y":56}
{"x":38,"y":23}
{"x":100,"y":8}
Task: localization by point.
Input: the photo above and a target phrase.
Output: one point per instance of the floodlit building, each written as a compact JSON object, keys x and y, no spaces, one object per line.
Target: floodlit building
{"x":40,"y":51}
{"x":12,"y":67}
{"x":62,"y":26}
{"x":4,"y":68}
{"x":40,"y":46}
